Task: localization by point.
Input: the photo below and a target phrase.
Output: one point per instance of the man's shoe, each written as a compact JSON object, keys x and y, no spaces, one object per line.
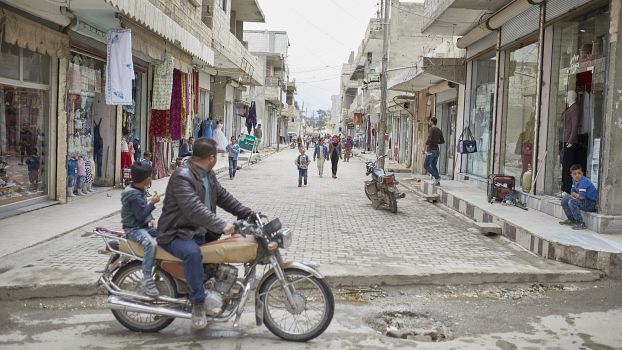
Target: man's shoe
{"x":567,"y":222}
{"x":436,"y":183}
{"x":579,"y":226}
{"x":151,"y":290}
{"x":299,"y":185}
{"x":199,"y":320}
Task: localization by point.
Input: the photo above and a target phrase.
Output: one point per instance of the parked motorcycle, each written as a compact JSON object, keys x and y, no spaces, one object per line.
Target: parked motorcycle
{"x":382,"y":188}
{"x":292,"y":299}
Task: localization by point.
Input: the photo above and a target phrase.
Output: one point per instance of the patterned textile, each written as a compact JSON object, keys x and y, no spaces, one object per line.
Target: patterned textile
{"x":88,"y":165}
{"x":162,"y":85}
{"x":195,"y":90}
{"x":162,"y":157}
{"x":119,"y":70}
{"x":176,"y":102}
{"x":159,"y":123}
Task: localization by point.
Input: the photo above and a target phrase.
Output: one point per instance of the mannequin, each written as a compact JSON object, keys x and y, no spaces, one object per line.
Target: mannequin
{"x":571,"y":122}
{"x":72,"y":175}
{"x":81,"y":176}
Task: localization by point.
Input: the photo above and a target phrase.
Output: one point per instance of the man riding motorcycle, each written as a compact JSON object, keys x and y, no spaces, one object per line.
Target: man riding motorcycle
{"x":189,"y":218}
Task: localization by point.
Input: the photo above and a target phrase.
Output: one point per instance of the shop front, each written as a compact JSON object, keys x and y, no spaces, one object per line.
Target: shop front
{"x":446,"y":112}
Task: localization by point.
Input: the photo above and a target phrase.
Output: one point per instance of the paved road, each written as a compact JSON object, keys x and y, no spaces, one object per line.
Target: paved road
{"x":335,"y":226}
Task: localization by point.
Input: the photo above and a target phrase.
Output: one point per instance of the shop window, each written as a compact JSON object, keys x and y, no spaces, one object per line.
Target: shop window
{"x":36,"y":67}
{"x":9,"y":56}
{"x":481,"y":110}
{"x":23,"y":143}
{"x":577,"y":94}
{"x":519,"y":110}
{"x":223,"y":4}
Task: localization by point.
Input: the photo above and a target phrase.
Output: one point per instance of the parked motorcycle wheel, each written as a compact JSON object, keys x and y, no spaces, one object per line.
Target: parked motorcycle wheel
{"x":367,"y":192}
{"x":130,"y":277}
{"x":307,"y":290}
{"x":392,"y":202}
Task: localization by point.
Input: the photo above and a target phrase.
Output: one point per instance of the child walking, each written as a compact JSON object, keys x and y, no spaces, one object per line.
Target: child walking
{"x":233,"y":149}
{"x":302,"y":163}
{"x":138,"y":223}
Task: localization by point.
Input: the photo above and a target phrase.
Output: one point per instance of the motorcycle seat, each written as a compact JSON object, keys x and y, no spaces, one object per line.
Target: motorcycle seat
{"x":232,"y":250}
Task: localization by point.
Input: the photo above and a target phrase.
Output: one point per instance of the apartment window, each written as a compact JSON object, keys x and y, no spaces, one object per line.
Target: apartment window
{"x":223,"y":4}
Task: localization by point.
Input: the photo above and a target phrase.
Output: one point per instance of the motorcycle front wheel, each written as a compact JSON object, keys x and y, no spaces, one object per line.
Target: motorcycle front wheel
{"x":130,"y":278}
{"x":310,"y":316}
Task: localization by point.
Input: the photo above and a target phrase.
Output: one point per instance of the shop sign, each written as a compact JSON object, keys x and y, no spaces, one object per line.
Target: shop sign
{"x":247,"y":142}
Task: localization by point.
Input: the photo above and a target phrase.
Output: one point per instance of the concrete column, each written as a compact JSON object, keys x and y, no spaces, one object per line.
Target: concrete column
{"x":61,"y":133}
{"x":459,"y":126}
{"x":611,"y":158}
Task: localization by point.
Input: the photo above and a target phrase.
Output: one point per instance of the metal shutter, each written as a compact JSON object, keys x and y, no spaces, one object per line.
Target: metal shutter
{"x":556,"y":8}
{"x":481,"y":45}
{"x":521,"y":25}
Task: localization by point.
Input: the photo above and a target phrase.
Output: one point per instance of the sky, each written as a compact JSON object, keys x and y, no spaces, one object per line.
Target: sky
{"x":321,"y":34}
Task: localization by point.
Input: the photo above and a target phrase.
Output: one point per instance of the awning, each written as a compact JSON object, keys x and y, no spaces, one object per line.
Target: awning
{"x":153,"y":18}
{"x":429,"y":71}
{"x":20,"y":31}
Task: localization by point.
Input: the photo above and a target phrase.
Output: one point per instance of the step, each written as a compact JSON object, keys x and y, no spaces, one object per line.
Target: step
{"x":535,"y":231}
{"x":488,"y":228}
{"x":432,"y":197}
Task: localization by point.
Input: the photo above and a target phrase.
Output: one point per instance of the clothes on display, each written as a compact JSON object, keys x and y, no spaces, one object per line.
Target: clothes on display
{"x":162,"y":155}
{"x":220,"y":137}
{"x":207,"y":129}
{"x":251,"y":120}
{"x":98,"y":148}
{"x":162,"y":85}
{"x":120,"y":67}
{"x":126,"y":154}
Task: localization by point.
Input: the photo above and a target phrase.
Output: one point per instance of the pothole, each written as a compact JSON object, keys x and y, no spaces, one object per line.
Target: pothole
{"x":413,"y":326}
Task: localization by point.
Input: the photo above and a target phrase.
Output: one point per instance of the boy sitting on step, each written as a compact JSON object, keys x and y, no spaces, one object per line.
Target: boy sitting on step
{"x":583,"y":197}
{"x":138,"y":223}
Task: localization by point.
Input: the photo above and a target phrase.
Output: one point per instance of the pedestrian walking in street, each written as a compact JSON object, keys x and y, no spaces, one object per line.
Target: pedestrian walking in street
{"x":334,"y":150}
{"x":349,"y":143}
{"x":138,"y":223}
{"x":258,"y":135}
{"x":302,"y":163}
{"x":233,"y":150}
{"x":185,"y":150}
{"x":321,"y":154}
{"x":432,"y":150}
{"x":583,"y":197}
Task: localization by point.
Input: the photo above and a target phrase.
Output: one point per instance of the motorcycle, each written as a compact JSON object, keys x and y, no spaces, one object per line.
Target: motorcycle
{"x":292,"y":299}
{"x":382,"y":188}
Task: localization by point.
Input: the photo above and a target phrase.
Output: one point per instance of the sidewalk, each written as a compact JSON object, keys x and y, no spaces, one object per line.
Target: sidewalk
{"x":28,"y":229}
{"x":535,"y":231}
{"x":391,"y":166}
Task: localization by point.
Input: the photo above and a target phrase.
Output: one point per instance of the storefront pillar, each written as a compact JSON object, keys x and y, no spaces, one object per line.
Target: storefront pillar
{"x":610,"y":190}
{"x":61,"y":133}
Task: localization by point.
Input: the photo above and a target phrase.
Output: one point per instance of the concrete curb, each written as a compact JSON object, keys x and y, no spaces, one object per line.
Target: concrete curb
{"x":608,"y":262}
{"x":61,"y":290}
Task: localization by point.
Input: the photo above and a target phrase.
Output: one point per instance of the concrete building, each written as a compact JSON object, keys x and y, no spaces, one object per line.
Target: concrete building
{"x":236,"y":69}
{"x":270,"y":48}
{"x":526,"y":64}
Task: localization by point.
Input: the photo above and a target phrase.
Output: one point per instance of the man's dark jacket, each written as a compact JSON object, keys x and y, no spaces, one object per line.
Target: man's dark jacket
{"x":184,"y":213}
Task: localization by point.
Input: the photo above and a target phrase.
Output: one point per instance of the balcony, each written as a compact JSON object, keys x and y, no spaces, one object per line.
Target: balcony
{"x":457,"y":17}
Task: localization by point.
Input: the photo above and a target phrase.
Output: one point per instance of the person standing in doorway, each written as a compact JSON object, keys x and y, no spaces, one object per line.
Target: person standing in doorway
{"x":258,"y":135}
{"x":334,"y":150}
{"x":233,"y":149}
{"x":432,"y":151}
{"x":321,"y":154}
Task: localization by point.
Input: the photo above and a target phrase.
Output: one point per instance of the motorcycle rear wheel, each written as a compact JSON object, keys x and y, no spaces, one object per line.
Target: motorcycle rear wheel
{"x":392,"y":202}
{"x":308,"y":290}
{"x":130,"y":277}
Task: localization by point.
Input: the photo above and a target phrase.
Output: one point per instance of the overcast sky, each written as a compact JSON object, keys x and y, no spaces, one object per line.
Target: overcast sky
{"x":321,"y":33}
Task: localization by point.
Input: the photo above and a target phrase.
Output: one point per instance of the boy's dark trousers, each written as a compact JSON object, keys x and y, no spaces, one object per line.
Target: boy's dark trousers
{"x":302,"y":173}
{"x":334,"y":161}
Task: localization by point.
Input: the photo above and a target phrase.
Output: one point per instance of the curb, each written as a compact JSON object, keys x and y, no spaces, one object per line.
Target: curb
{"x":63,"y":290}
{"x":610,"y":263}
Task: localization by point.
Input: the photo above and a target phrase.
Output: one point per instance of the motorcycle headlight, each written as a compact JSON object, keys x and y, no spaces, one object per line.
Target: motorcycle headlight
{"x":285,"y":238}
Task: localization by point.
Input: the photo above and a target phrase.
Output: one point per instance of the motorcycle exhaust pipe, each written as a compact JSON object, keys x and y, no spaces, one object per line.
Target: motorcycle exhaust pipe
{"x":116,"y":303}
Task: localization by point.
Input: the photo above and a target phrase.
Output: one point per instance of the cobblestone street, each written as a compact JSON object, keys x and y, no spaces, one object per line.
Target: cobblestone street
{"x":336,"y":226}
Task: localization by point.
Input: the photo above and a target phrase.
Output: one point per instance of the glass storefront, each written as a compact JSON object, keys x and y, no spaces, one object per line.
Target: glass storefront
{"x":481,"y":110}
{"x":578,"y":78}
{"x":24,"y":118}
{"x":519,"y":110}
{"x":446,"y":114}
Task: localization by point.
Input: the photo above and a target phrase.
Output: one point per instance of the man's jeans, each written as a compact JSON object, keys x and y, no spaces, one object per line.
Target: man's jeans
{"x":190,"y":252}
{"x":233,"y":167}
{"x":572,"y":208}
{"x":302,"y":174}
{"x":431,"y":158}
{"x":149,"y":244}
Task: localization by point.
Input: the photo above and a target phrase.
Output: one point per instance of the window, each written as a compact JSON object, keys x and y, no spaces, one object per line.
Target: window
{"x":9,"y":56}
{"x":481,"y":109}
{"x":223,"y":4}
{"x":519,"y":110}
{"x":23,"y":65}
{"x":578,"y":77}
{"x":36,"y":67}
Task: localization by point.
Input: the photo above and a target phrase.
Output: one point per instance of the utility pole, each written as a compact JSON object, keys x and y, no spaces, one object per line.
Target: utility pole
{"x":383,"y":82}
